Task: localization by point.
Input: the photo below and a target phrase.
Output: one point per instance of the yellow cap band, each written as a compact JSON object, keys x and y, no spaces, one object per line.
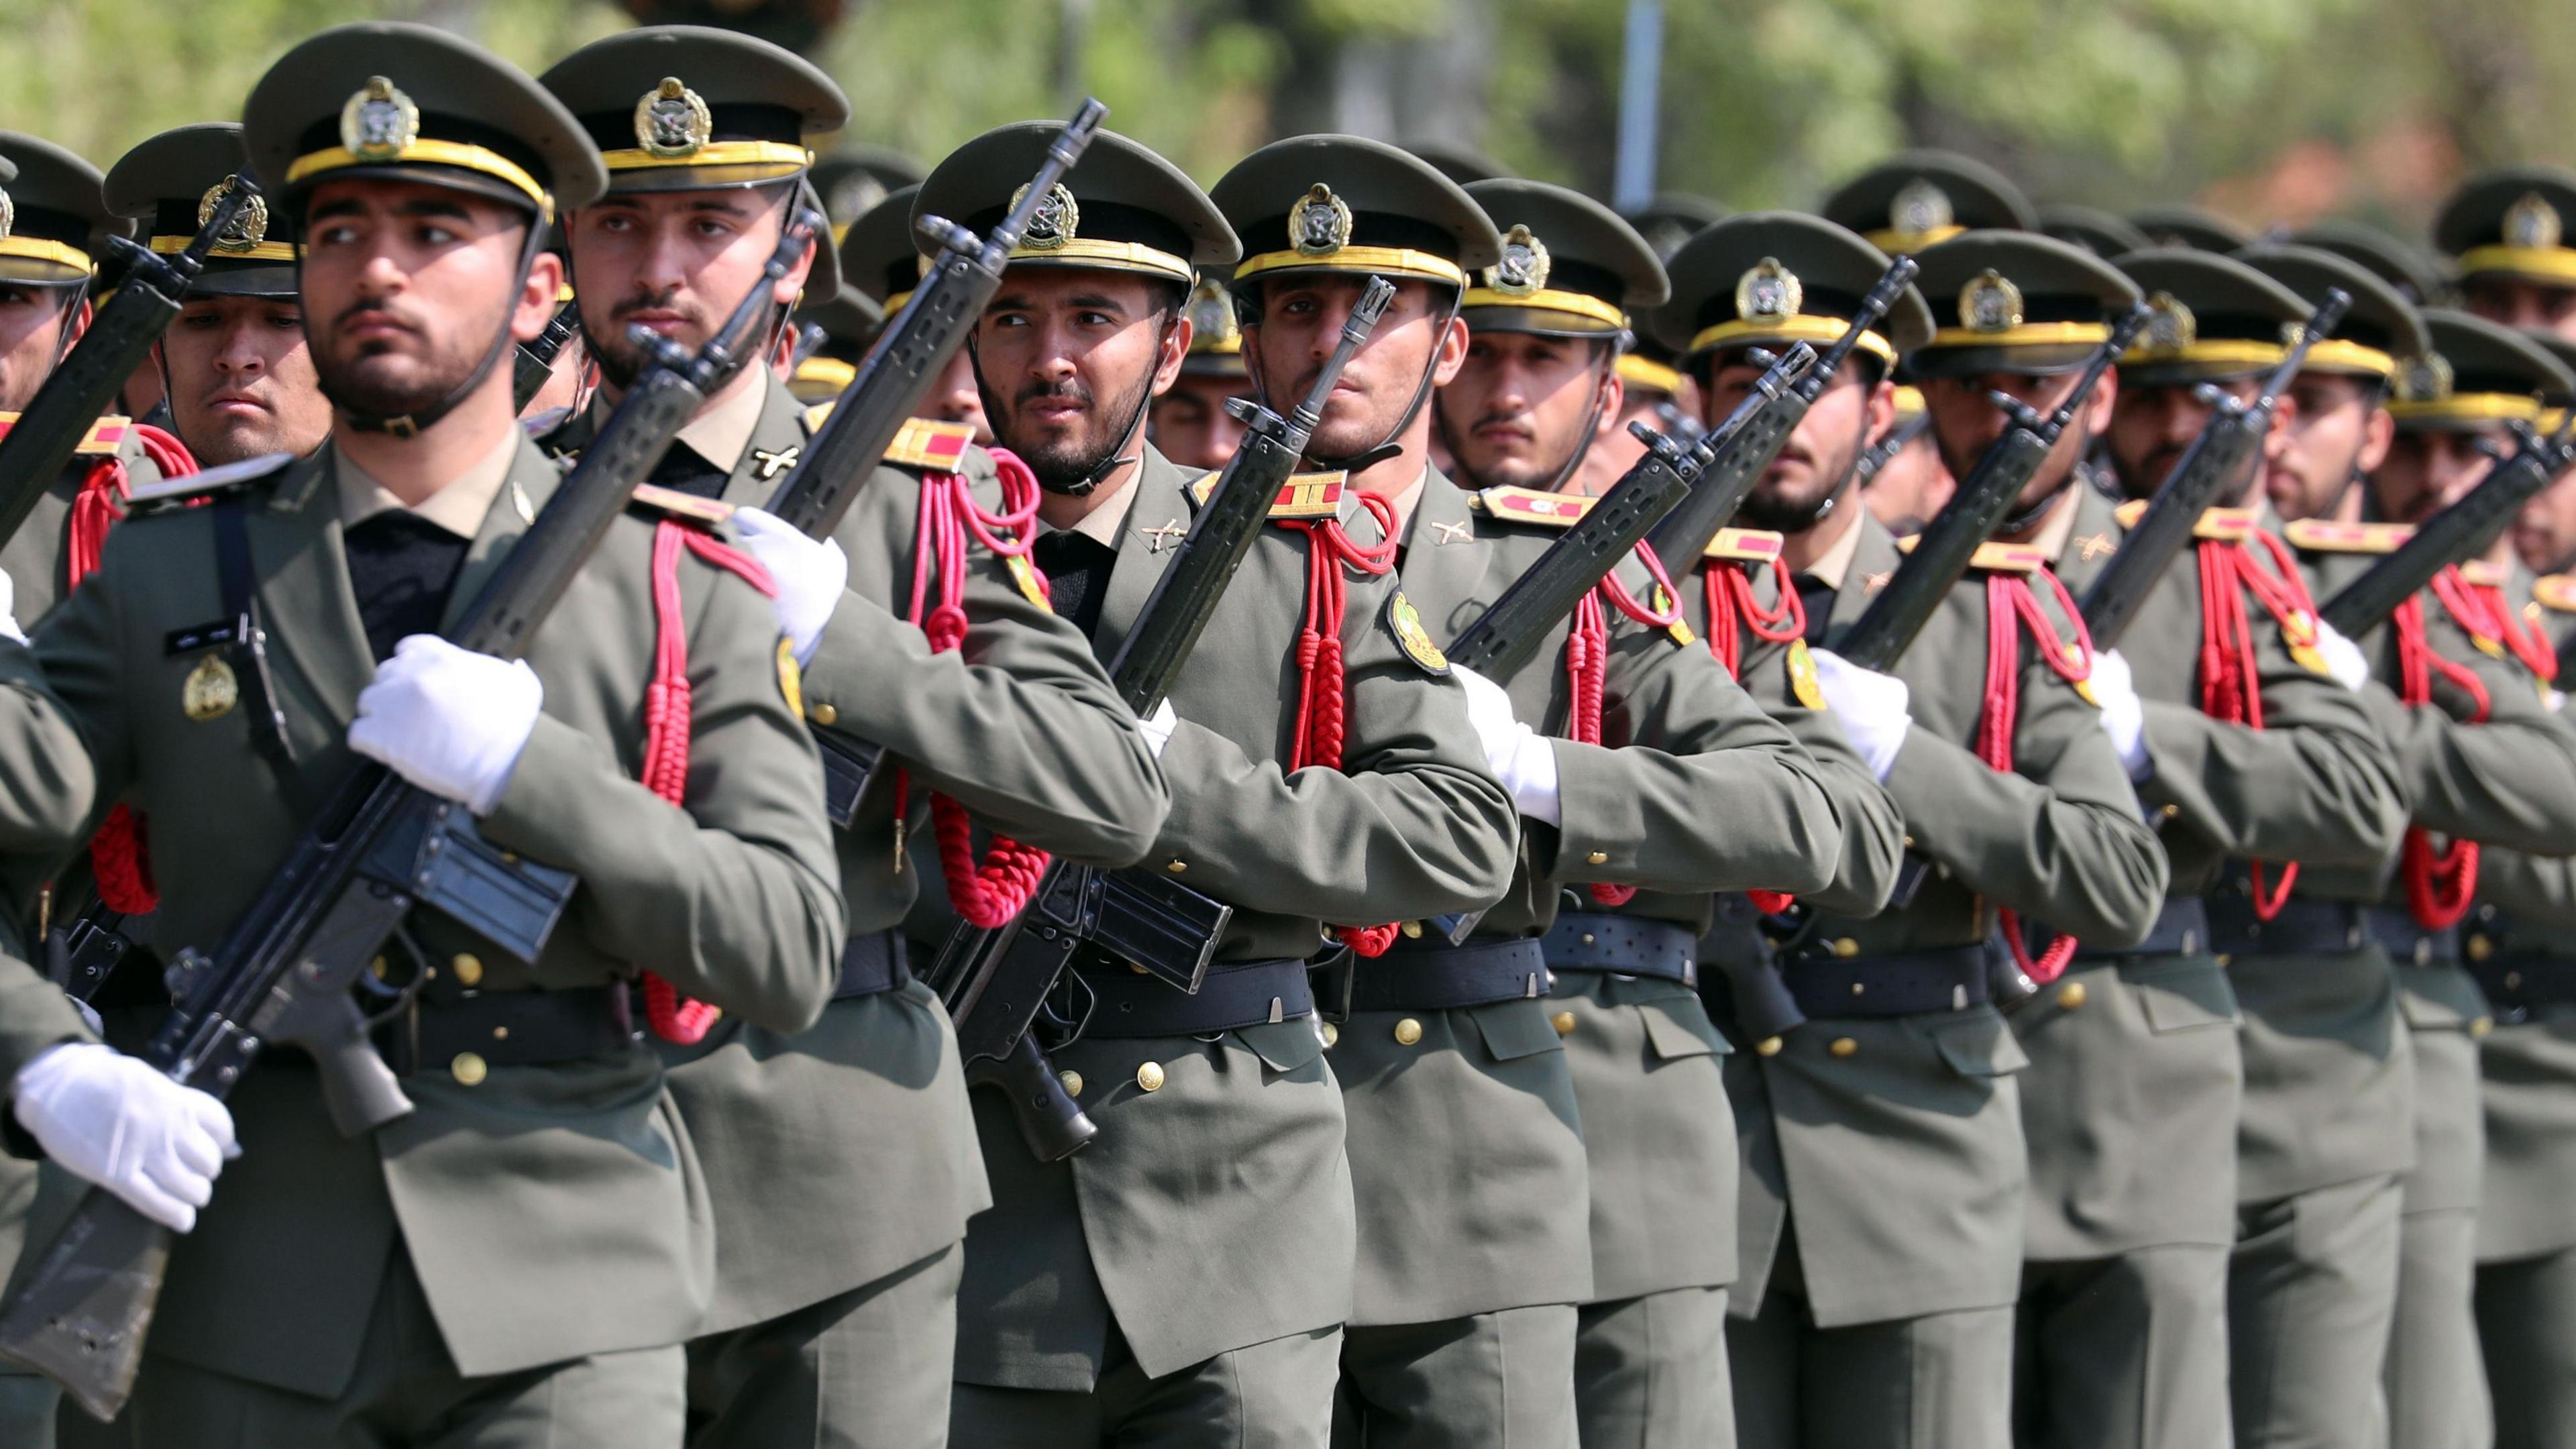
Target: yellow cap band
{"x":2468,"y":407}
{"x":1803,"y":327}
{"x":267,"y":251}
{"x":1400,"y":261}
{"x":715,"y":153}
{"x":1894,"y":242}
{"x":2029,"y":334}
{"x":429,"y":153}
{"x":1590,"y":308}
{"x":39,"y":249}
{"x":1909,"y":401}
{"x":2551,"y":420}
{"x":894,"y":301}
{"x":2222,"y":352}
{"x":2334,"y":352}
{"x":826,"y":371}
{"x":1116,"y":256}
{"x":2558,"y":264}
{"x":1646,"y":372}
{"x":1229,"y":345}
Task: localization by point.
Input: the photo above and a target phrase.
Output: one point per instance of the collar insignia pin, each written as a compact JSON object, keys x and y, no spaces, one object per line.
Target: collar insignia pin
{"x":1157,"y":539}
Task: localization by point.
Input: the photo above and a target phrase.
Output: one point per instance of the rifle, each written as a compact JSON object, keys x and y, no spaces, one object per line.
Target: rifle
{"x":85,"y":385}
{"x":1898,"y":439}
{"x":1880,"y":636}
{"x":995,"y":981}
{"x":1759,"y":429}
{"x":912,"y":351}
{"x":287,"y":970}
{"x":2228,"y":445}
{"x":2464,"y":529}
{"x":536,"y":360}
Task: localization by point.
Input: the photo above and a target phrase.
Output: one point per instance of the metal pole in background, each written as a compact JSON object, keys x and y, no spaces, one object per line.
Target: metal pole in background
{"x":1072,"y":45}
{"x":1640,"y":82}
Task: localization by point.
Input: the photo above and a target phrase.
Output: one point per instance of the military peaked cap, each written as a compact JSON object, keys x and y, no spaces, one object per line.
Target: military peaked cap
{"x":172,"y":181}
{"x":1772,"y":278}
{"x":1463,"y":164}
{"x":1671,"y":218}
{"x":2422,"y":278}
{"x":1216,"y":341}
{"x":2197,"y":228}
{"x":854,"y":179}
{"x":1570,"y":267}
{"x":2381,"y":329}
{"x":2209,"y":318}
{"x":2512,"y":223}
{"x":2102,"y":233}
{"x":1919,"y":198}
{"x":2014,"y":301}
{"x":54,"y":214}
{"x":1344,"y":204}
{"x":1122,"y":208}
{"x":2476,"y":374}
{"x":689,"y":108}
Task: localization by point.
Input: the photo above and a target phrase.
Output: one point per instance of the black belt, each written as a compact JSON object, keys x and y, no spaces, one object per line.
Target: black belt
{"x":2303,"y":928}
{"x":873,"y":964}
{"x":1906,"y":983}
{"x":2408,"y":943}
{"x":2516,"y":986}
{"x":509,"y":1029}
{"x":2182,"y":929}
{"x":1428,"y":974}
{"x":1621,"y":945}
{"x":1233,"y":996}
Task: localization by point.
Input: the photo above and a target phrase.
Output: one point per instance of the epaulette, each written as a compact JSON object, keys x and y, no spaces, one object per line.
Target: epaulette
{"x":1304,"y":495}
{"x":920,"y":443}
{"x":2318,"y":535}
{"x":2555,"y":591}
{"x":673,"y":503}
{"x":1528,"y":505}
{"x":1992,"y":558}
{"x":161,"y":495}
{"x":106,"y":436}
{"x":2230,"y":525}
{"x":2485,"y":573}
{"x":1744,"y":545}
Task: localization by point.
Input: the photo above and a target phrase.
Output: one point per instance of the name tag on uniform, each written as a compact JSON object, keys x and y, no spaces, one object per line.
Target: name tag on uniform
{"x":200,"y":636}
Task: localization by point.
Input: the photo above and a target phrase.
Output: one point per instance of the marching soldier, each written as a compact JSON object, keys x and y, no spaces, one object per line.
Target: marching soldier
{"x":1183,"y":1279}
{"x":2195,"y":228}
{"x":2337,"y":427}
{"x":1696,"y":791}
{"x":235,"y":364}
{"x":1902,"y":480}
{"x":878,"y":257}
{"x":839,"y":1163}
{"x":1189,"y":423}
{"x":1917,"y":199}
{"x":849,"y":322}
{"x":2420,"y":277}
{"x":518,"y":1253}
{"x":854,"y":179}
{"x":2544,"y":533}
{"x":2506,"y":232}
{"x":2104,"y":234}
{"x":2255,"y":755}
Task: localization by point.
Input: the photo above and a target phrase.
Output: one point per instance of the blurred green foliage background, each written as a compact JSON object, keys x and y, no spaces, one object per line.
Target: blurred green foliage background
{"x":2267,"y":110}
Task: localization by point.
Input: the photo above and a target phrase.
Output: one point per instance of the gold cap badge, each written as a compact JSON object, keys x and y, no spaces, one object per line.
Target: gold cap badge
{"x":1320,"y":223}
{"x":379,"y":122}
{"x":672,"y":121}
{"x":1919,"y":207}
{"x":2531,"y":224}
{"x":2170,"y":325}
{"x":1990,"y":303}
{"x":1057,"y":220}
{"x":1768,"y":291}
{"x":8,"y":215}
{"x":1524,"y":267}
{"x":210,"y":691}
{"x":250,"y":224}
{"x":2426,"y":378}
{"x":1211,"y":316}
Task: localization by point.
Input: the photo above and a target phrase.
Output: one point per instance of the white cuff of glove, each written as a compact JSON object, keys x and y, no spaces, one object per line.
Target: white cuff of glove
{"x":2344,"y":659}
{"x":811,"y":574}
{"x":1519,"y":756}
{"x":449,"y":720}
{"x":1158,"y":727}
{"x":9,"y":609}
{"x":2124,"y":718}
{"x":1871,"y":707}
{"x":110,"y":1119}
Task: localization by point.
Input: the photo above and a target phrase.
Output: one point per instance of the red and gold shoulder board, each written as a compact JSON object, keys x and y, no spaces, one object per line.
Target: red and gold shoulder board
{"x":2130,"y":512}
{"x":2318,"y":535}
{"x":2485,"y":573}
{"x":105,"y":436}
{"x":2556,"y":591}
{"x":1744,"y":545}
{"x":1528,"y":505}
{"x":919,"y":443}
{"x":687,"y":506}
{"x":1993,"y":558}
{"x":2232,"y":525}
{"x":1304,"y":495}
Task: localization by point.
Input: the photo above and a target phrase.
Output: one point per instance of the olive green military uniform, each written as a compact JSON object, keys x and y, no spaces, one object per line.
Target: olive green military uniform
{"x":2136,"y":1082}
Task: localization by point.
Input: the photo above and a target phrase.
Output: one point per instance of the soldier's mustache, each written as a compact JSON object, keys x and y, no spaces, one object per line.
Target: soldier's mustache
{"x":1067,"y":391}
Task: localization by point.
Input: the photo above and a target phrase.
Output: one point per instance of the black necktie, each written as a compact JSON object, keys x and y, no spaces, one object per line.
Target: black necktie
{"x":1077,"y":568}
{"x":683,"y":471}
{"x":401,"y":567}
{"x":1818,"y":598}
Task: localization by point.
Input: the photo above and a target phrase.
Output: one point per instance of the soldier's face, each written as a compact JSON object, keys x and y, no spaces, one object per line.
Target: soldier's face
{"x":1965,"y":422}
{"x":1301,"y":323}
{"x":1815,"y":465}
{"x":676,"y":263}
{"x":1069,"y":356}
{"x":407,"y":286}
{"x":955,"y":398}
{"x":241,"y":379}
{"x":35,"y":324}
{"x":2545,"y":532}
{"x":2335,"y":429}
{"x":2426,"y":470}
{"x":2152,"y":427}
{"x":1191,"y":425}
{"x":1522,"y":407}
{"x":1911,"y":487}
{"x":2517,"y":303}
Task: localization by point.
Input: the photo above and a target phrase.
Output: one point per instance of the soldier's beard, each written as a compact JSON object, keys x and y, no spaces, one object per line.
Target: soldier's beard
{"x":621,"y":362}
{"x":1071,"y":462}
{"x":371,"y":385}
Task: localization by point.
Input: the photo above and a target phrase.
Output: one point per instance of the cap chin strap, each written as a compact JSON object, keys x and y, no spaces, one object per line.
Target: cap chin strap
{"x":1116,"y":458}
{"x":1564,"y":470}
{"x":1387,"y":447}
{"x":2029,"y":517}
{"x":410,"y":424}
{"x":780,"y":315}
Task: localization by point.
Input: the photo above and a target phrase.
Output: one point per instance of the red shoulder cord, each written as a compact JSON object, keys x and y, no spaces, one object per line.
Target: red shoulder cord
{"x":2230,"y":681}
{"x":1322,"y":702}
{"x":986,"y":893}
{"x":2440,"y":882}
{"x":666,"y":729}
{"x":2523,"y":637}
{"x":1587,"y":660}
{"x":1732,"y":606}
{"x":2009,"y":605}
{"x":118,"y":862}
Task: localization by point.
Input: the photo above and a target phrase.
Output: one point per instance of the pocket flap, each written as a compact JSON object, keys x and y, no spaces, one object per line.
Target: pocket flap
{"x":1283,"y":1046}
{"x":2180,"y":998}
{"x":2439,"y":998}
{"x":1684,"y":1032}
{"x":1979,"y":1045}
{"x":1516,"y":1029}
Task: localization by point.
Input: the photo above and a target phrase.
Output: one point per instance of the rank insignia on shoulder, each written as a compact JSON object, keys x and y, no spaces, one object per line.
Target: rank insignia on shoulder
{"x":1744,"y":545}
{"x":1406,"y":621}
{"x":1993,"y":558}
{"x":166,"y":493}
{"x":2485,"y":573}
{"x":2130,"y":512}
{"x":1528,"y":505}
{"x":791,"y":680}
{"x":2229,"y":525}
{"x":1025,"y":574}
{"x":933,"y":446}
{"x":1304,"y":495}
{"x":681,"y":505}
{"x":2317,"y":535}
{"x":1802,"y":675}
{"x":106,"y":436}
{"x":2555,"y":591}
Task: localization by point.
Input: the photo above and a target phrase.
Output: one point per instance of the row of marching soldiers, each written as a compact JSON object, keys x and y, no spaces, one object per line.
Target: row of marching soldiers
{"x":1694,"y":1038}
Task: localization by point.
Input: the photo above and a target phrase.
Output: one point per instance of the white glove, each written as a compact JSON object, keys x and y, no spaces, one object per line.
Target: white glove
{"x":1158,"y":727}
{"x":2124,"y":719}
{"x":810,"y":573}
{"x":2344,"y":659}
{"x":1519,"y":756}
{"x":9,"y":609}
{"x":448,"y":719}
{"x":1870,"y":706}
{"x":111,"y":1119}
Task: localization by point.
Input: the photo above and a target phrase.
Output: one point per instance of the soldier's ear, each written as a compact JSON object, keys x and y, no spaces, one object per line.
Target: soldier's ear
{"x":1452,"y":354}
{"x":1172,"y":351}
{"x":2378,"y":435}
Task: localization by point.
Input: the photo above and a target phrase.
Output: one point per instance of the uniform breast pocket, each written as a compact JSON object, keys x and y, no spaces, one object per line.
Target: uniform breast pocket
{"x":1680,"y":1028}
{"x":2186,"y":996}
{"x":1516,"y":1029}
{"x":1285,"y":1047}
{"x":1978,"y":1045}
